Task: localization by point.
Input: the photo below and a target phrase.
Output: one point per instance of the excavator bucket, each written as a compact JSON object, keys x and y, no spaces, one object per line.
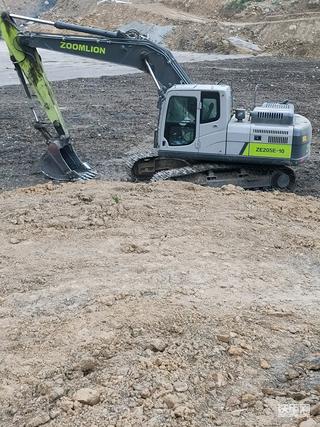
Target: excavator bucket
{"x":60,"y":161}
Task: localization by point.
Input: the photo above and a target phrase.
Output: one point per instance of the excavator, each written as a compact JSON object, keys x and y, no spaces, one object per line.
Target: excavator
{"x":199,"y":137}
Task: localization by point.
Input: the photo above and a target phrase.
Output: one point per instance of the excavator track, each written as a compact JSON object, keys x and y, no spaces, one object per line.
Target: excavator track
{"x":148,"y":166}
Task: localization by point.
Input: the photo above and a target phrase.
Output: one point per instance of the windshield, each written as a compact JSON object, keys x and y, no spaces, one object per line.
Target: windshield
{"x":180,"y":126}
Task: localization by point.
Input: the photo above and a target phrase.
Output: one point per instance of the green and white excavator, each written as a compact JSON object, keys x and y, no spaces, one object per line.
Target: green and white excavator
{"x":200,"y":137}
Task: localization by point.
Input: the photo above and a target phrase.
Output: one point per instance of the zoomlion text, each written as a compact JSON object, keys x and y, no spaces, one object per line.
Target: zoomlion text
{"x":83,"y":48}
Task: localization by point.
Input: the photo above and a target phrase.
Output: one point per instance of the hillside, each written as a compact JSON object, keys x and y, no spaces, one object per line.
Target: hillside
{"x":284,"y":28}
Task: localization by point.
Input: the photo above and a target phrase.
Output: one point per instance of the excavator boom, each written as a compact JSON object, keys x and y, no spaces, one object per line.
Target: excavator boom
{"x":131,"y":49}
{"x":60,"y":162}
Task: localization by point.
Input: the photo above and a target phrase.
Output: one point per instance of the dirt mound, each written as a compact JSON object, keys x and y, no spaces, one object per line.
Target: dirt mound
{"x":291,"y":38}
{"x":158,"y":305}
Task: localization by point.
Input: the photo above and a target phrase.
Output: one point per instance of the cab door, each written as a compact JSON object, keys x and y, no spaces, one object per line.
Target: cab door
{"x":212,"y":128}
{"x":180,"y":123}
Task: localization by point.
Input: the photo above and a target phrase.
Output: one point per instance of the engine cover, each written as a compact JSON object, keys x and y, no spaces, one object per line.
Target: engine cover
{"x":273,"y":113}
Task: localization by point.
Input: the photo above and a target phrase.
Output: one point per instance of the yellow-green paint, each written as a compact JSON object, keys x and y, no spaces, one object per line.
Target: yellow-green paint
{"x":31,"y":66}
{"x":246,"y":151}
{"x":277,"y":151}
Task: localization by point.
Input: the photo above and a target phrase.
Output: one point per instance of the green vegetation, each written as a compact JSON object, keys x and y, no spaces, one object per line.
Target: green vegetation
{"x":116,"y":199}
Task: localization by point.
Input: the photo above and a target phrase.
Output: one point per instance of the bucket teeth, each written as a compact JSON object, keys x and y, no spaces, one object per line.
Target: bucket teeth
{"x":87,"y":175}
{"x":61,"y":163}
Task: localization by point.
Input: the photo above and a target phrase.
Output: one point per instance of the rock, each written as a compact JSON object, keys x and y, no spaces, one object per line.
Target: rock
{"x":171,"y":401}
{"x":86,"y":198}
{"x":55,"y":393}
{"x":224,"y":338}
{"x":182,"y":411}
{"x":273,"y":392}
{"x":235,"y":351}
{"x":145,"y":393}
{"x":248,"y":399}
{"x":54,"y":413}
{"x":219,"y":379}
{"x":87,"y":396}
{"x":291,"y":374}
{"x":143,"y":389}
{"x":180,"y":387}
{"x":232,"y":402}
{"x":237,"y":412}
{"x":243,"y":45}
{"x":245,"y":345}
{"x":308,"y":423}
{"x":39,"y":420}
{"x":312,"y":363}
{"x":158,"y":345}
{"x":66,"y":404}
{"x":315,"y":410}
{"x":14,"y":241}
{"x":264,"y":364}
{"x":297,"y":395}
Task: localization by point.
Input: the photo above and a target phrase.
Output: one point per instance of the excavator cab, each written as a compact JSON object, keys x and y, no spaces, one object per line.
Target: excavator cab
{"x":194,"y":121}
{"x":198,"y":122}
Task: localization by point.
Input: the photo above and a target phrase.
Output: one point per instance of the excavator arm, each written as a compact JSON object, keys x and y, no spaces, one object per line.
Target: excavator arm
{"x":130,"y":49}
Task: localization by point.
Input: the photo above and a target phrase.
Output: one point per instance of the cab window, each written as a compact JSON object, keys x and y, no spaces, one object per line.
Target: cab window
{"x":210,"y":111}
{"x":180,"y":128}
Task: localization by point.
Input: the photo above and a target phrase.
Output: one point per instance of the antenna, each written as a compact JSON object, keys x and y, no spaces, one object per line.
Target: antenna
{"x":255,"y":95}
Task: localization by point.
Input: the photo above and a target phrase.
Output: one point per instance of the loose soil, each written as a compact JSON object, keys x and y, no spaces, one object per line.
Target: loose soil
{"x":175,"y":305}
{"x":111,"y":117}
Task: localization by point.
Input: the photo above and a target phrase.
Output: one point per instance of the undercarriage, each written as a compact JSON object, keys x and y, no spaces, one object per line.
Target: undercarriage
{"x":153,"y":168}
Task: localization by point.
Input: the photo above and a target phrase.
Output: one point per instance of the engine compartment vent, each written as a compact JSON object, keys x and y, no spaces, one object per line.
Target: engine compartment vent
{"x":278,"y":140}
{"x":276,"y":105}
{"x":271,"y":131}
{"x":273,"y":113}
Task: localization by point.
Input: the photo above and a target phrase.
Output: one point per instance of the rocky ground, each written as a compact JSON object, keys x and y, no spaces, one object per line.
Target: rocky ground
{"x":156,"y":305}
